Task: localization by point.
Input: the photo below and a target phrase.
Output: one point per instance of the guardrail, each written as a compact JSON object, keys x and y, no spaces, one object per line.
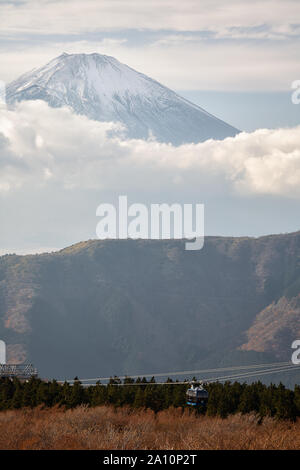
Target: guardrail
{"x":21,"y":371}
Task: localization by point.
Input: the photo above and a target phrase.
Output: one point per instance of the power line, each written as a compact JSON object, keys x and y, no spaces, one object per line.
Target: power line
{"x":257,"y":373}
{"x":187,"y":382}
{"x":186,"y":372}
{"x":252,"y":374}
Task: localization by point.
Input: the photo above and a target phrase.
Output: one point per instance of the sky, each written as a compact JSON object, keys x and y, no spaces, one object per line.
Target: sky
{"x":237,"y":59}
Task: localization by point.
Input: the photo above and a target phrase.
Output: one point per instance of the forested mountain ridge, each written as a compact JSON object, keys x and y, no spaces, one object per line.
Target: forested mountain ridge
{"x":138,"y":306}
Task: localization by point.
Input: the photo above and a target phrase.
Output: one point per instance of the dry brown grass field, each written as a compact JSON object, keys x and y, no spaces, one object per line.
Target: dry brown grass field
{"x":123,"y":428}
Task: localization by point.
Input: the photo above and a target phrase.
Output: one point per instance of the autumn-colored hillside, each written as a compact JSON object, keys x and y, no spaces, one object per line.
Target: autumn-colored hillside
{"x":135,"y":306}
{"x":123,"y":428}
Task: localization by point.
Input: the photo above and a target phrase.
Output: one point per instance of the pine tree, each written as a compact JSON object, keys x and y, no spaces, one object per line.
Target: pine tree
{"x":139,"y":398}
{"x":6,"y":393}
{"x":17,"y":400}
{"x":77,"y":396}
{"x":284,"y":404}
{"x":297,"y":399}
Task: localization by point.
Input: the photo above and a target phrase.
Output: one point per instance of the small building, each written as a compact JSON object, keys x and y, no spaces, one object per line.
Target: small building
{"x":20,"y":371}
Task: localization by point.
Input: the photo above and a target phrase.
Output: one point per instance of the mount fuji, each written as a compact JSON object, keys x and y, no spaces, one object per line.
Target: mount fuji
{"x":103,"y":89}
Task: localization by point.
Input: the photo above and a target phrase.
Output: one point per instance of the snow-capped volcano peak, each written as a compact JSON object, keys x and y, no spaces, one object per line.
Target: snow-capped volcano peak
{"x":102,"y":88}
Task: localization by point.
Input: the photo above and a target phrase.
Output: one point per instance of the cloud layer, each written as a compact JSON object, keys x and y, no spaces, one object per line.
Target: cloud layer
{"x":191,"y":45}
{"x":45,"y":147}
{"x":55,"y":16}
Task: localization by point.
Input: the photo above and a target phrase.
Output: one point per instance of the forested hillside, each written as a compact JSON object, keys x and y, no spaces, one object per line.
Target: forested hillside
{"x":101,"y":308}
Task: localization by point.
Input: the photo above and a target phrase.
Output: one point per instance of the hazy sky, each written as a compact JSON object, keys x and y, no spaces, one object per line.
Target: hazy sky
{"x":237,"y":59}
{"x":195,"y":44}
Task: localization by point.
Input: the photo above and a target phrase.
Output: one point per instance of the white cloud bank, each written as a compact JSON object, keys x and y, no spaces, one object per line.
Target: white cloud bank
{"x":45,"y":147}
{"x":71,"y":16}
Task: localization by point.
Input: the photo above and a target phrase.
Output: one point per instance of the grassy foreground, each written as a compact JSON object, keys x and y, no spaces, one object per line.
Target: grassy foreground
{"x":105,"y":427}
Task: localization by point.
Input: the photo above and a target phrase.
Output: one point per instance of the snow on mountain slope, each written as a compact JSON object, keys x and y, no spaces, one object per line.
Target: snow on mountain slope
{"x":101,"y":88}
